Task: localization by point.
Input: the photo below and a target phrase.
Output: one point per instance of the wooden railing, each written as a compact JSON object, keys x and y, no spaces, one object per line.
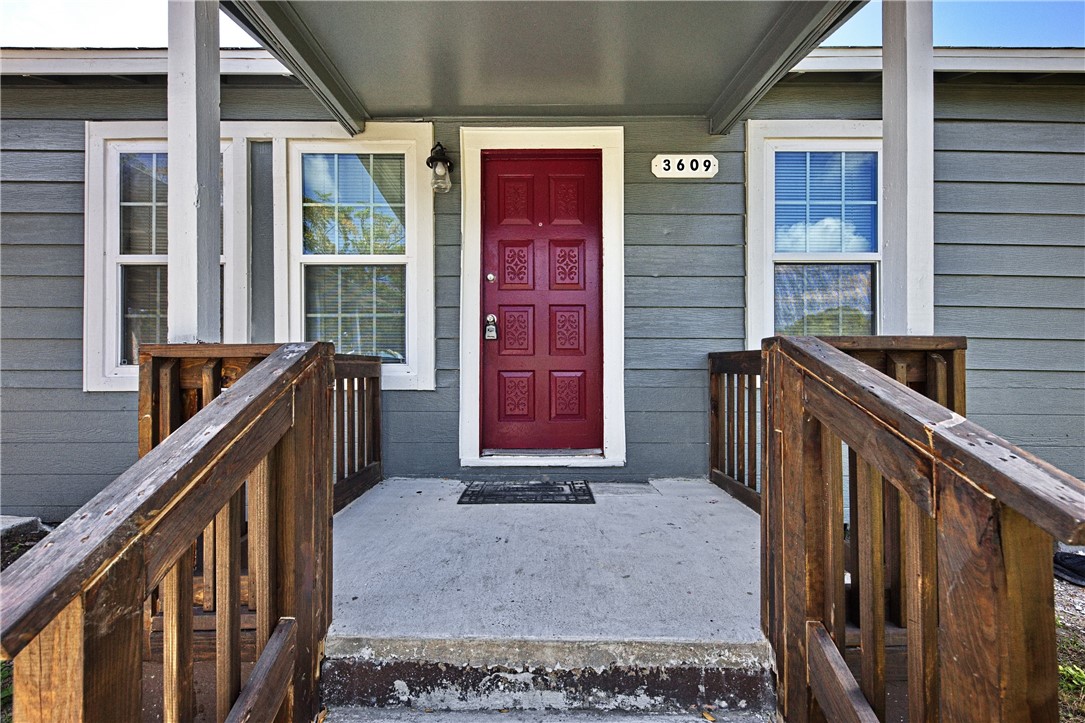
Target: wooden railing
{"x":978,"y":515}
{"x":177,"y":380}
{"x":356,"y":407}
{"x":933,"y":366}
{"x":73,"y":607}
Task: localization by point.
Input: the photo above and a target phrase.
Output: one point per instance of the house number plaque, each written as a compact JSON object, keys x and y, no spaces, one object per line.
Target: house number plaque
{"x":684,"y":166}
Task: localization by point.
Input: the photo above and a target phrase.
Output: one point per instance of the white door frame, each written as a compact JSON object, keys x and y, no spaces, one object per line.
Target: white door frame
{"x":610,"y":140}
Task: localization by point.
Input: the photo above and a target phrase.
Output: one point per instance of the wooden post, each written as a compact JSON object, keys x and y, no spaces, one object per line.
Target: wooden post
{"x":195,"y":183}
{"x":908,"y":167}
{"x":793,"y":687}
{"x":48,"y":672}
{"x":996,"y":609}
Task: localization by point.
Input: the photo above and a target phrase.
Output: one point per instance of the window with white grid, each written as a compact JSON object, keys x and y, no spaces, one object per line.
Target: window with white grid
{"x":814,"y":229}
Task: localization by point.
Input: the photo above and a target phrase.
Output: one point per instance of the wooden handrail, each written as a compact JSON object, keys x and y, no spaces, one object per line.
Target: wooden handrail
{"x":972,"y":513}
{"x":72,"y":611}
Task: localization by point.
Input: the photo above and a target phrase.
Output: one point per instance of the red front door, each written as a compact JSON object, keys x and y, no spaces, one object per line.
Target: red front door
{"x":542,"y":263}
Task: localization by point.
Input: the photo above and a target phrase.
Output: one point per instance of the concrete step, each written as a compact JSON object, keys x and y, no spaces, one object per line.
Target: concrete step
{"x":534,"y":675}
{"x":377,"y":715}
{"x":646,"y":601}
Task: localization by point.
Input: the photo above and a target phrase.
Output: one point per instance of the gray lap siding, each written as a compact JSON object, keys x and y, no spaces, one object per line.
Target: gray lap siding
{"x":1010,"y":257}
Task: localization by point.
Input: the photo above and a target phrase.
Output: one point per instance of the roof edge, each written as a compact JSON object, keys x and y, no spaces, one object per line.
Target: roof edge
{"x":257,"y":61}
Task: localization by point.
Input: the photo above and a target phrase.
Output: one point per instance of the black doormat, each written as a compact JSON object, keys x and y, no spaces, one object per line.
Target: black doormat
{"x":504,"y":493}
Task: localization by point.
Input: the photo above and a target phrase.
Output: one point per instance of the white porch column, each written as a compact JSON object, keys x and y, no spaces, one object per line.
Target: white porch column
{"x":195,"y":185}
{"x":907,"y":167}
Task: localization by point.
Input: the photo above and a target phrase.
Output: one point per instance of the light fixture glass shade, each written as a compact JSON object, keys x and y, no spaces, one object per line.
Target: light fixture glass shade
{"x":440,"y":181}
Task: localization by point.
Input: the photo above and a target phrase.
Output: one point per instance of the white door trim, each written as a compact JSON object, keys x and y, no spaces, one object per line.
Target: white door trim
{"x":609,"y":139}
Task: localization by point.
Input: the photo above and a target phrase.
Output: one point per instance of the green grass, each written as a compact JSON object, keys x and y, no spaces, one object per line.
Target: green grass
{"x":7,"y":686}
{"x":1071,"y":649}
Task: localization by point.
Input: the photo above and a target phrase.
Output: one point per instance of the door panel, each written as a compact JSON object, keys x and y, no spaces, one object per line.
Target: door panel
{"x":542,"y":378}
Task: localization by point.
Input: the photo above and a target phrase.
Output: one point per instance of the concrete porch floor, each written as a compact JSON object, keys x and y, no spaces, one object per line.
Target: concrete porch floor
{"x":653,"y":577}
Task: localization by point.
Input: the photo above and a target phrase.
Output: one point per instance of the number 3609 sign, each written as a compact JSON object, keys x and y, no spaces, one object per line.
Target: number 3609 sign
{"x":684,"y":166}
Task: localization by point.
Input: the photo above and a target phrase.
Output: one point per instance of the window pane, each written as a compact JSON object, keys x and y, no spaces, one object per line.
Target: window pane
{"x":790,"y":176}
{"x":361,"y":309}
{"x":824,"y":299}
{"x":143,"y":320}
{"x":388,"y":175}
{"x":137,"y":172}
{"x":834,"y":195}
{"x":137,"y":229}
{"x":362,"y":195}
{"x":318,"y":229}
{"x":355,"y":182}
{"x":790,"y":228}
{"x":823,"y":234}
{"x":318,"y":178}
{"x":860,"y":228}
{"x":389,"y":236}
{"x":860,"y":176}
{"x":355,"y":230}
{"x":143,"y":198}
{"x":825,"y":175}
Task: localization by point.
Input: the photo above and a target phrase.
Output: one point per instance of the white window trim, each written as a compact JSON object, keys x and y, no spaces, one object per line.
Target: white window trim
{"x":100,"y":302}
{"x":413,"y":140}
{"x":105,"y":141}
{"x":610,"y":139}
{"x":763,"y":139}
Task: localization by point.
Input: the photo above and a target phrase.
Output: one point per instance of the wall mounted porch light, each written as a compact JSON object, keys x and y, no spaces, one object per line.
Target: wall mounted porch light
{"x":441,"y":180}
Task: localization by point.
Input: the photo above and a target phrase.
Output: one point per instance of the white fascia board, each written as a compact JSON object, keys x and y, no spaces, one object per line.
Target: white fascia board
{"x":951,"y":60}
{"x":126,"y":61}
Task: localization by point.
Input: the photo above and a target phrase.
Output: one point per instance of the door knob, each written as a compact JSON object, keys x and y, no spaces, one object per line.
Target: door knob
{"x":491,"y":278}
{"x":491,"y":327}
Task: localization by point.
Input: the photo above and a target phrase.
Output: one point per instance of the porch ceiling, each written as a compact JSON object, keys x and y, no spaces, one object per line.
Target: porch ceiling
{"x":385,"y":60}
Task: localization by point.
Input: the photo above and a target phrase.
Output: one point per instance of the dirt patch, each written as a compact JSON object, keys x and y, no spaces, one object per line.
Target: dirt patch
{"x":12,"y":547}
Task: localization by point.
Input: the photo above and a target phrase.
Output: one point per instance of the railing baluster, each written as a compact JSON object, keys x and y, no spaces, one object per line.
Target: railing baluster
{"x":958,"y":403}
{"x":896,"y":581}
{"x":352,"y":426}
{"x":869,"y":490}
{"x":714,"y":421}
{"x":373,"y":389}
{"x":262,"y":550}
{"x":178,"y":703}
{"x":228,"y":607}
{"x":210,"y":387}
{"x":921,"y":567}
{"x":835,"y":612}
{"x":751,"y":433}
{"x":937,"y":379}
{"x":740,"y":428}
{"x":729,"y":384}
{"x":341,"y":442}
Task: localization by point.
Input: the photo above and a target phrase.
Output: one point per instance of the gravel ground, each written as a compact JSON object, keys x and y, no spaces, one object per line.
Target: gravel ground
{"x":1070,"y":632}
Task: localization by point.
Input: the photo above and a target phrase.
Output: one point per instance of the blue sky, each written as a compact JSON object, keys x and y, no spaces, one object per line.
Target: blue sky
{"x":982,"y":23}
{"x":142,"y":23}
